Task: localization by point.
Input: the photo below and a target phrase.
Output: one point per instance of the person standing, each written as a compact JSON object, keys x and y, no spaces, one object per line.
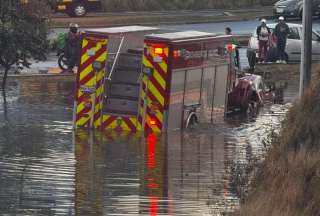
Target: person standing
{"x":281,"y":32}
{"x":72,"y":46}
{"x":263,"y":34}
{"x":228,"y":31}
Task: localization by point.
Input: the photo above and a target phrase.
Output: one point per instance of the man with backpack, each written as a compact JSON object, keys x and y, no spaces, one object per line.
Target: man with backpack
{"x":281,"y":32}
{"x":72,"y":46}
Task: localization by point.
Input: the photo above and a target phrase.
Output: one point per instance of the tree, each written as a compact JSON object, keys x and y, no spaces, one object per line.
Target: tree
{"x":23,"y":33}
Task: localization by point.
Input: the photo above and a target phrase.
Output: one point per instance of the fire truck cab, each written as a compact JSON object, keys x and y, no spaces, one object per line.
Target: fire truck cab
{"x":140,"y":79}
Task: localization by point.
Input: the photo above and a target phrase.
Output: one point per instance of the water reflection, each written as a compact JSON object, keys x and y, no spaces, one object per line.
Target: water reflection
{"x":178,"y":174}
{"x":47,"y":169}
{"x":36,"y":159}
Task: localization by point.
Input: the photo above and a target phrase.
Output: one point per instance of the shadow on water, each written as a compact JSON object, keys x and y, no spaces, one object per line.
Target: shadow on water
{"x":48,"y":169}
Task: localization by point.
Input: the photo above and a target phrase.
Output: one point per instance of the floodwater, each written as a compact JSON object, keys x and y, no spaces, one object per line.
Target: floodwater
{"x":48,"y":169}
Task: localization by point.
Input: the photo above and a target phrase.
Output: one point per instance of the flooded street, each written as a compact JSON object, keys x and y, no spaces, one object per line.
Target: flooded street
{"x":48,"y":169}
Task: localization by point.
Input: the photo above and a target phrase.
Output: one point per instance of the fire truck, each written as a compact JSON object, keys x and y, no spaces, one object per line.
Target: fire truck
{"x":142,"y":79}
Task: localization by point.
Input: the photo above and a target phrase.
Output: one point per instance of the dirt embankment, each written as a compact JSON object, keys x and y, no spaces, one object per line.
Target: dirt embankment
{"x":287,"y":183}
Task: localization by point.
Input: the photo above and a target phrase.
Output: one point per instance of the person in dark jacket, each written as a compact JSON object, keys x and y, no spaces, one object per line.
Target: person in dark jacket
{"x":263,"y":34}
{"x":228,"y":31}
{"x":281,"y":32}
{"x":72,"y":46}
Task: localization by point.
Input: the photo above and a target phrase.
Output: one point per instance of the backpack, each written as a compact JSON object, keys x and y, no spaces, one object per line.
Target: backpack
{"x":61,"y":41}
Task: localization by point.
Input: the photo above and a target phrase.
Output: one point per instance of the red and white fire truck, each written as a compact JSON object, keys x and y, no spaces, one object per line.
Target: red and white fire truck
{"x":137,"y":78}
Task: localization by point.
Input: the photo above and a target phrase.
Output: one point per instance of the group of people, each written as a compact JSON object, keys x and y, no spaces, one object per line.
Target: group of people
{"x":272,"y":45}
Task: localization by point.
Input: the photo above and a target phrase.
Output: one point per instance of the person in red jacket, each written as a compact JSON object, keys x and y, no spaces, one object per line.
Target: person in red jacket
{"x":263,"y":34}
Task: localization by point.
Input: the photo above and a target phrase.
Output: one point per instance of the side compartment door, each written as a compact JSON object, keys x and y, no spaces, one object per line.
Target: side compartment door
{"x":175,"y":118}
{"x":220,"y":92}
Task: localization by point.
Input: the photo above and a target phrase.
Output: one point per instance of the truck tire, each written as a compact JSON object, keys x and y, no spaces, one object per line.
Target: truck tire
{"x":192,"y":121}
{"x":78,"y":10}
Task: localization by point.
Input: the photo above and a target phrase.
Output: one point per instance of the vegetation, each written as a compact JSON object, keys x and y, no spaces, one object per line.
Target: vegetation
{"x":113,"y":5}
{"x":288,"y":181}
{"x":23,"y":33}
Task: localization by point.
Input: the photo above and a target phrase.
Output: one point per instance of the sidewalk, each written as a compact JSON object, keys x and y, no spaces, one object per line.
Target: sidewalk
{"x":40,"y":68}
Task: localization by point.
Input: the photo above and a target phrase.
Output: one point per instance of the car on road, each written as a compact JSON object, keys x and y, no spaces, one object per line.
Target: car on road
{"x":293,"y":48}
{"x":294,"y":8}
{"x":76,"y":8}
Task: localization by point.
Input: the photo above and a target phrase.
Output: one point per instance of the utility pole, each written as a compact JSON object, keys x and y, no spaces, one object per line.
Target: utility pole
{"x":306,"y":48}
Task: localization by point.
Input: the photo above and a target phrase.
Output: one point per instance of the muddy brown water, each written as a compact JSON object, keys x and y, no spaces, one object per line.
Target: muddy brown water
{"x":48,"y":169}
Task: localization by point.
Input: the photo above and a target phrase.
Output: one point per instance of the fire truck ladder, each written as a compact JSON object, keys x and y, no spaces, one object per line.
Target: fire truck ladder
{"x":122,"y":84}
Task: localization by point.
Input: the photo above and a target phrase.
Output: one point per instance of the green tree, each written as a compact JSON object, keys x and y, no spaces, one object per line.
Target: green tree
{"x":23,"y":33}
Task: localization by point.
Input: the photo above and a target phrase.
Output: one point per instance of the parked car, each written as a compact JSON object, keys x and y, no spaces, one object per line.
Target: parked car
{"x":249,"y":94}
{"x":294,"y":8}
{"x":294,"y":41}
{"x":77,"y":8}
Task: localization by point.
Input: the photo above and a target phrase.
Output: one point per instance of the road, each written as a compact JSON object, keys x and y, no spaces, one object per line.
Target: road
{"x":238,"y":27}
{"x":210,"y":12}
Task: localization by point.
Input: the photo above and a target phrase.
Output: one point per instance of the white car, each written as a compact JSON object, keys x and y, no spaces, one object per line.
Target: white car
{"x":293,"y":48}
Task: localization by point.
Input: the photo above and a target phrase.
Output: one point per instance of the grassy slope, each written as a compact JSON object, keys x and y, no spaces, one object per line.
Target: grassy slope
{"x":288,"y":181}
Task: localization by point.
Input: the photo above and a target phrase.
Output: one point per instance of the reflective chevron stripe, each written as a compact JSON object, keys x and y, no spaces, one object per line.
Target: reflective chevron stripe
{"x":119,"y":123}
{"x":90,"y":81}
{"x":153,"y":94}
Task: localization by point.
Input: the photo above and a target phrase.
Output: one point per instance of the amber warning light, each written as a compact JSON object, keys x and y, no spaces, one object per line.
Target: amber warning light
{"x":152,"y":122}
{"x":158,"y":50}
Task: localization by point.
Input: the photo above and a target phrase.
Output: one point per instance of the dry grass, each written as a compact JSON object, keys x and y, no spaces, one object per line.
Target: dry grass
{"x":288,"y":181}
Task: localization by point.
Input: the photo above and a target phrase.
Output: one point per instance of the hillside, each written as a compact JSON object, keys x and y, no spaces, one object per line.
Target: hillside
{"x":287,"y":183}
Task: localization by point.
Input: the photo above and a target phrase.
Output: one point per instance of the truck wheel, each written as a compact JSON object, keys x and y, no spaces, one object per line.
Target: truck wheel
{"x":79,"y":10}
{"x":301,"y":14}
{"x":192,"y":121}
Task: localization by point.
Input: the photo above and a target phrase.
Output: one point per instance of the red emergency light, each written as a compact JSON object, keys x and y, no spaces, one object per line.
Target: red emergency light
{"x":152,"y":122}
{"x":176,"y":53}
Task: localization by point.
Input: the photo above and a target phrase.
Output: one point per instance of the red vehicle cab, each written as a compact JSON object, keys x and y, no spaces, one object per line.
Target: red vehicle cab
{"x":249,"y":94}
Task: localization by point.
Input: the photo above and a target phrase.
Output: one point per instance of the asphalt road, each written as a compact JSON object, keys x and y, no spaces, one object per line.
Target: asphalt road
{"x":211,"y":12}
{"x":238,"y":27}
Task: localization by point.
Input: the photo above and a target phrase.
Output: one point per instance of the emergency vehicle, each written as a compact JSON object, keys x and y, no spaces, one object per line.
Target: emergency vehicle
{"x":137,"y":78}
